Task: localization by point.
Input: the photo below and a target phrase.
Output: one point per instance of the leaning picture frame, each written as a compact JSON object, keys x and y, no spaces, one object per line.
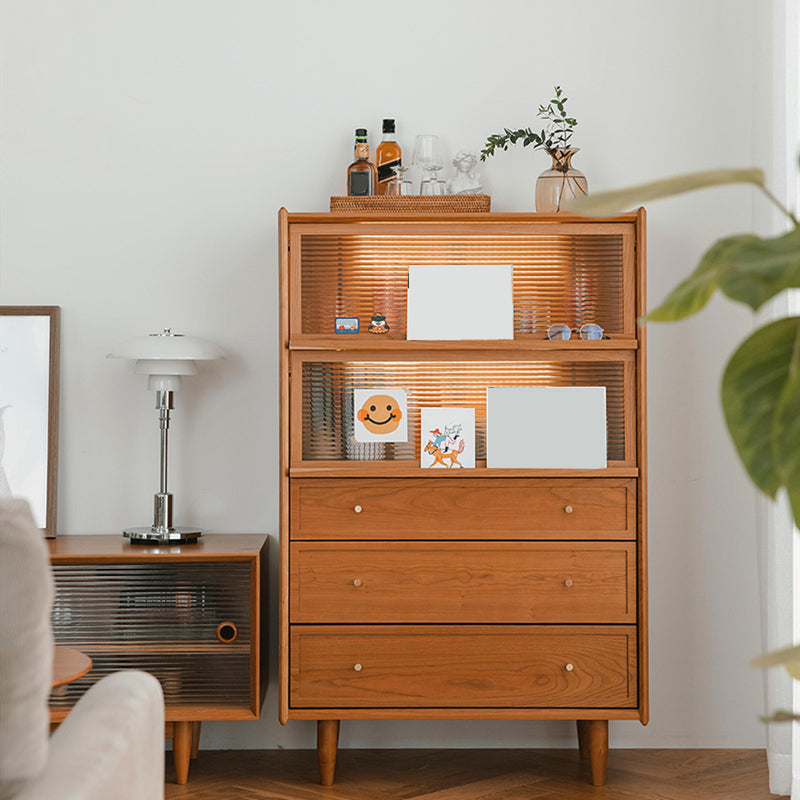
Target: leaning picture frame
{"x":30,"y":344}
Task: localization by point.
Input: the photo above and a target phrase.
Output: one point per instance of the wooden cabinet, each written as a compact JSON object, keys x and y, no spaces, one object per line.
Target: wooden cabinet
{"x":192,"y":615}
{"x":459,"y":593}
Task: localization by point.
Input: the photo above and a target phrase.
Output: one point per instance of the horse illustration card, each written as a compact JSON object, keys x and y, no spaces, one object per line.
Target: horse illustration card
{"x":447,"y":438}
{"x":380,"y":415}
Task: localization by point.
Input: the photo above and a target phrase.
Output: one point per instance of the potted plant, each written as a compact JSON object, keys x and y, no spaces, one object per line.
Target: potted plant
{"x":561,"y":182}
{"x":761,"y":384}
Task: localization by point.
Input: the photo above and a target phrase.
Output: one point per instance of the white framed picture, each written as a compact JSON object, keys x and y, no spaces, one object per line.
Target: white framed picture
{"x":546,"y":427}
{"x":380,"y":415}
{"x":460,"y":301}
{"x":447,"y":438}
{"x":29,"y":367}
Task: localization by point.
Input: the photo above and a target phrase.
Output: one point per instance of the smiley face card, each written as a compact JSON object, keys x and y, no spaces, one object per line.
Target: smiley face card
{"x":380,"y":415}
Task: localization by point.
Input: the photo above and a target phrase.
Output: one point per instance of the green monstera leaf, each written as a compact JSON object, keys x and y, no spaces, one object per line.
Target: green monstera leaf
{"x":758,"y":269}
{"x":606,"y":204}
{"x":746,"y":268}
{"x":689,"y":296}
{"x":789,"y":658}
{"x":761,"y":402}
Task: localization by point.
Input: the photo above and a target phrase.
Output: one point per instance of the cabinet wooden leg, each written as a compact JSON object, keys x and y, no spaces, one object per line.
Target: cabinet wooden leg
{"x":327,"y":744}
{"x":181,"y":750}
{"x":593,"y":744}
{"x":195,"y":738}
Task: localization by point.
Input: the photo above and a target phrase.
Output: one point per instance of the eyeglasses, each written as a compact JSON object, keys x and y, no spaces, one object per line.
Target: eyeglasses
{"x":591,"y":330}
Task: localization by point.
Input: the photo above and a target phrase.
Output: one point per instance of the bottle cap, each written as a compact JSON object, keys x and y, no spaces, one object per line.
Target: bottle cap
{"x":388,"y":126}
{"x":361,"y":133}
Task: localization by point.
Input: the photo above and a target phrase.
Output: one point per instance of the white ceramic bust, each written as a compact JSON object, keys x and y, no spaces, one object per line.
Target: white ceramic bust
{"x":466,"y":177}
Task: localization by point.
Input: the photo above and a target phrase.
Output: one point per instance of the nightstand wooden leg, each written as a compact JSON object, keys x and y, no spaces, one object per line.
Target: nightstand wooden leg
{"x":181,"y":750}
{"x":327,"y":744}
{"x":593,"y":744}
{"x":195,"y":738}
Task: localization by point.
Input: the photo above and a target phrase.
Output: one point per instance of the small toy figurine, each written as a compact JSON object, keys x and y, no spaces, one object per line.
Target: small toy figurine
{"x":378,"y":324}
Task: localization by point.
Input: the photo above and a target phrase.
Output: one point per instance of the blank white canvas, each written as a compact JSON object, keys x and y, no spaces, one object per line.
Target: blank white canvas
{"x":460,"y":301}
{"x":546,"y":427}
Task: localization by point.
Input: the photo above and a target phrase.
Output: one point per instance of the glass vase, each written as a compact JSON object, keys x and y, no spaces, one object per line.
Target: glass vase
{"x":560,"y":183}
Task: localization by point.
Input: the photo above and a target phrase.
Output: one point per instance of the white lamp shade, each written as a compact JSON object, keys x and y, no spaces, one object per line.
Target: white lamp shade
{"x":164,"y":357}
{"x":169,"y":346}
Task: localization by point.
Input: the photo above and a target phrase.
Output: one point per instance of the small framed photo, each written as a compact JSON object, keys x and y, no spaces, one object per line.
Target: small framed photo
{"x":447,"y":438}
{"x":380,"y":415}
{"x":346,"y":325}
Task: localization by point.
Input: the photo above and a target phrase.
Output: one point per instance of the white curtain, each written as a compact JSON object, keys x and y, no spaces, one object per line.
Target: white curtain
{"x":779,"y":540}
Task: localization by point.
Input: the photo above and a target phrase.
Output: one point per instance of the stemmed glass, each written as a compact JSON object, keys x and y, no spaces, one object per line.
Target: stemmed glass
{"x":399,"y":186}
{"x":427,"y":155}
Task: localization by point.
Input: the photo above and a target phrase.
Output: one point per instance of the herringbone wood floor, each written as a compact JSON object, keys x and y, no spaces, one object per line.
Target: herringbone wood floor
{"x":474,"y":775}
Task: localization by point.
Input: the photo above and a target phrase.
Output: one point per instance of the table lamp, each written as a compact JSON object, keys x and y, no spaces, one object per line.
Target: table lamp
{"x":165,"y":357}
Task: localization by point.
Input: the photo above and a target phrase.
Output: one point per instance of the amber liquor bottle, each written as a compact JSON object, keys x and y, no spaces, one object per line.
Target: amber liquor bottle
{"x":387,"y":156}
{"x":362,"y":176}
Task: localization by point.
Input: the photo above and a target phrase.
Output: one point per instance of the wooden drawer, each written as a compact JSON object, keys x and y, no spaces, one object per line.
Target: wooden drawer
{"x":464,"y":582}
{"x":403,"y":666}
{"x":463,"y":508}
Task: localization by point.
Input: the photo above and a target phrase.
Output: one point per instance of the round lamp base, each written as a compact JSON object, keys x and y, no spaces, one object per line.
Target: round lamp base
{"x":155,"y":536}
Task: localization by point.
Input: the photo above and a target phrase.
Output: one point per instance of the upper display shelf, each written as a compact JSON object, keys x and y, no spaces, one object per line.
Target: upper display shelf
{"x":366,"y":341}
{"x":572,"y":272}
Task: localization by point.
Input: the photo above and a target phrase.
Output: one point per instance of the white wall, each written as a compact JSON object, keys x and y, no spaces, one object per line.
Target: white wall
{"x":146,"y":148}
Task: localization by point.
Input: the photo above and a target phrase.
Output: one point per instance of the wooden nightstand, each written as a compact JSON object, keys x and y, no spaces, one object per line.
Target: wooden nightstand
{"x":192,"y":615}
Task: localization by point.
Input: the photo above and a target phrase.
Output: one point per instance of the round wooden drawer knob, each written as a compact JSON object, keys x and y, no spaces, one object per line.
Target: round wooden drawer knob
{"x":568,"y":509}
{"x":358,"y":509}
{"x":357,"y":667}
{"x":568,"y":582}
{"x":357,"y":582}
{"x":569,"y":668}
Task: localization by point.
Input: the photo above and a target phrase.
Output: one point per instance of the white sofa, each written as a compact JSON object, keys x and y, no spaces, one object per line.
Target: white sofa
{"x":112,"y":743}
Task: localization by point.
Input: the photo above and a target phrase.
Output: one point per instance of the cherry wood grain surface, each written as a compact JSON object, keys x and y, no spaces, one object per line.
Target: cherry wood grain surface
{"x":481,"y":508}
{"x":115,"y":548}
{"x":464,"y":666}
{"x":467,"y":582}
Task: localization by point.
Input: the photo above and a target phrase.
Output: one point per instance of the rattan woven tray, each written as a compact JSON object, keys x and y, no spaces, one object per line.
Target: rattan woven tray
{"x":448,"y":204}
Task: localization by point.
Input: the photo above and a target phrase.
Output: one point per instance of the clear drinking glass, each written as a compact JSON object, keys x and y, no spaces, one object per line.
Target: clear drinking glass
{"x":427,"y":154}
{"x":399,"y":186}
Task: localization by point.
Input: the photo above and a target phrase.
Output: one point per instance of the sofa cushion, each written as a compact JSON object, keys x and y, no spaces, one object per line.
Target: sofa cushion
{"x":26,"y":647}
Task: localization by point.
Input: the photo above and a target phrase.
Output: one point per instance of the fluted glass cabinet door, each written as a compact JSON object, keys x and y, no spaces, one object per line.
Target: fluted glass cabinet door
{"x":190,"y":615}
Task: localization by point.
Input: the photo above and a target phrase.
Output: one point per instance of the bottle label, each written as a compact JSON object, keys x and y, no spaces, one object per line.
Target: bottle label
{"x":385,"y":171}
{"x":359,"y":183}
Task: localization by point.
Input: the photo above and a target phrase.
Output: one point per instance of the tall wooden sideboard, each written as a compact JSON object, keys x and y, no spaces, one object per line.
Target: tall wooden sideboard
{"x":482,"y":593}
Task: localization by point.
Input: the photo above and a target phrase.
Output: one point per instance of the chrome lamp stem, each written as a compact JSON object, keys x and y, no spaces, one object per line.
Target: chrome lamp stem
{"x":162,"y":531}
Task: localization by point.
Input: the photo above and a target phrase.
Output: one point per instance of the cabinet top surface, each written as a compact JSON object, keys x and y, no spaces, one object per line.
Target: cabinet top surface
{"x":490,"y":216}
{"x":115,"y":547}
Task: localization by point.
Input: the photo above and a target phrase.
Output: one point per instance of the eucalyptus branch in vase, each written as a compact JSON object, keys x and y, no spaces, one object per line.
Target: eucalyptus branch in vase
{"x":562,"y":181}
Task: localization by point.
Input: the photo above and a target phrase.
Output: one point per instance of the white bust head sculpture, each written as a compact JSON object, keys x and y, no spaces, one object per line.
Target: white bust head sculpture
{"x":466,"y":178}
